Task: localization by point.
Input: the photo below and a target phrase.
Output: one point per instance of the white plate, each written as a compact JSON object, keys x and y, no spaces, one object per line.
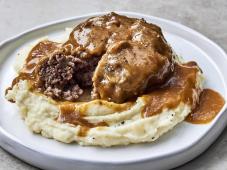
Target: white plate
{"x":180,"y":145}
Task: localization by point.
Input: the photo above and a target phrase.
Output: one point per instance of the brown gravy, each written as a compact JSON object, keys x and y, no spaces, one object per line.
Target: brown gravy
{"x":211,"y":102}
{"x":179,"y":88}
{"x":69,"y":114}
{"x":42,"y":49}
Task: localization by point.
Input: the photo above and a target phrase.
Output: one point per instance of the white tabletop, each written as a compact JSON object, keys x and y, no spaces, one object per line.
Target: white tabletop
{"x":206,"y":16}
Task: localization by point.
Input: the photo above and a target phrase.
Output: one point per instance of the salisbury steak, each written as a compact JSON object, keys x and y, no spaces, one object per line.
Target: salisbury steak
{"x":132,"y":55}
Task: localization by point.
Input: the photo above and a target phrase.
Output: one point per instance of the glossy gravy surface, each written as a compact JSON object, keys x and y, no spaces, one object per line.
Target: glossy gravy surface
{"x":129,"y":48}
{"x":210,"y":104}
{"x":69,"y":114}
{"x":179,"y":88}
{"x":41,"y":50}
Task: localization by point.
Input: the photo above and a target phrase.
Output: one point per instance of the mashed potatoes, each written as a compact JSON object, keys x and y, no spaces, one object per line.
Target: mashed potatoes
{"x":40,"y":115}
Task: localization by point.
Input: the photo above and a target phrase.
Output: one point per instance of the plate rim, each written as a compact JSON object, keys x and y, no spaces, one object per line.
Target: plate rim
{"x":11,"y":138}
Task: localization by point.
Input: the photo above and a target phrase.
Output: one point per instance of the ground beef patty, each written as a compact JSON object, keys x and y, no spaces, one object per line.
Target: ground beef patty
{"x":62,"y":76}
{"x":134,"y":56}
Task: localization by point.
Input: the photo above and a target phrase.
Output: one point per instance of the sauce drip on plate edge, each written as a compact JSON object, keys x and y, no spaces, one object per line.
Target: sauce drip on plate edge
{"x":210,"y":104}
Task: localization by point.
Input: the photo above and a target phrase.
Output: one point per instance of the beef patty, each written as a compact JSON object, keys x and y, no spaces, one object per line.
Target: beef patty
{"x":115,"y":56}
{"x":63,"y":76}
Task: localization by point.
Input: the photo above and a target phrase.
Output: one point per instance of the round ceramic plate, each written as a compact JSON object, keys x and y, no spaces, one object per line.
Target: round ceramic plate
{"x":178,"y":146}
